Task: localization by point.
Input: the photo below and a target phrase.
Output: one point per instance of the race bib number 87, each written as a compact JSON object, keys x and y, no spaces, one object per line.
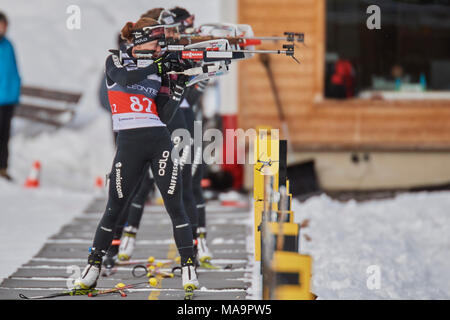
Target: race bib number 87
{"x":122,"y":102}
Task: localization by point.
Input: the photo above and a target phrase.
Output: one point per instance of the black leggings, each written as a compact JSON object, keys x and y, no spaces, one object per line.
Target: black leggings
{"x":136,"y":207}
{"x":134,"y":210}
{"x":197,"y":169}
{"x":6,"y":114}
{"x":179,"y":122}
{"x":137,"y":151}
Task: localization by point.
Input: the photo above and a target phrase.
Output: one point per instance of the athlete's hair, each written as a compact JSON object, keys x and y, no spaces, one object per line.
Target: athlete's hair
{"x":130,"y":27}
{"x":3,"y":18}
{"x":153,"y":13}
{"x":180,"y":13}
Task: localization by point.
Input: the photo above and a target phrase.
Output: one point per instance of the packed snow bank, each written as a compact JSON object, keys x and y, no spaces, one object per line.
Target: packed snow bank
{"x":29,"y":217}
{"x":406,"y":238}
{"x":70,"y":158}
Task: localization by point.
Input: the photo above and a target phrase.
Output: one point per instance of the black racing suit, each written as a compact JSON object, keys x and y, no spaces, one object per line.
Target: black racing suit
{"x":134,"y":210}
{"x":192,"y":173}
{"x":193,"y":95}
{"x":138,"y":150}
{"x":192,"y":192}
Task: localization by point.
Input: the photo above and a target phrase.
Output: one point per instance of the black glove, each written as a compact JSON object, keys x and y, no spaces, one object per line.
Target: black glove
{"x":182,"y":80}
{"x":188,"y":64}
{"x":162,"y":68}
{"x":179,"y":87}
{"x":168,"y":62}
{"x":172,"y":62}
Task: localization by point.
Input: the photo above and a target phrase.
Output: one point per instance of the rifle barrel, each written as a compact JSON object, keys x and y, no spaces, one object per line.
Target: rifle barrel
{"x":262,"y":51}
{"x":273,"y":38}
{"x":266,"y":38}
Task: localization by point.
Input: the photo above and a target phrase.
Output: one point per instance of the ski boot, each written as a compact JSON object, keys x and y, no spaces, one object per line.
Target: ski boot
{"x":109,"y":261}
{"x":127,"y":243}
{"x":90,"y":274}
{"x":189,"y":277}
{"x":204,"y":255}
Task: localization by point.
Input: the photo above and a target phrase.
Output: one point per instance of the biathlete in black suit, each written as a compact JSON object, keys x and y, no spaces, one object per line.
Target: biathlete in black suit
{"x":139,"y":113}
{"x":192,"y":174}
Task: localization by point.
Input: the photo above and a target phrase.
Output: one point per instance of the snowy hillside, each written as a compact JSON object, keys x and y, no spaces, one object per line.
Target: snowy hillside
{"x":406,"y":237}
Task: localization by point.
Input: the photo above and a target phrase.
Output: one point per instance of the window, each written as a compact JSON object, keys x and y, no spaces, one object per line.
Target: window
{"x":410,"y":52}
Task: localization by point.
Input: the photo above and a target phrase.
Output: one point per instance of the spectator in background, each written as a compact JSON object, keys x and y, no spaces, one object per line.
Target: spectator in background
{"x":342,"y":80}
{"x":398,"y":75}
{"x":9,"y":93}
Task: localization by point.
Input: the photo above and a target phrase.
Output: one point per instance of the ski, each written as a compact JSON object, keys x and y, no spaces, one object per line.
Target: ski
{"x":153,"y":269}
{"x":189,"y":292}
{"x":207,"y":264}
{"x":138,"y":264}
{"x":150,"y":271}
{"x":109,"y":270}
{"x":73,"y":292}
{"x":149,"y":261}
{"x":119,"y":288}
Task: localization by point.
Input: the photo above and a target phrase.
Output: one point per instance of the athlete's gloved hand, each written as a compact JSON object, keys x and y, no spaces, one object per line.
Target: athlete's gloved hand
{"x":182,"y":80}
{"x":180,"y":84}
{"x":172,"y":62}
{"x":162,"y":68}
{"x":188,"y":64}
{"x":169,"y":62}
{"x":166,"y":65}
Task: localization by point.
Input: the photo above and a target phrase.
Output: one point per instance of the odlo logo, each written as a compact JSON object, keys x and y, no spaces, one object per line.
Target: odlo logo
{"x":119,"y":180}
{"x":163,"y":163}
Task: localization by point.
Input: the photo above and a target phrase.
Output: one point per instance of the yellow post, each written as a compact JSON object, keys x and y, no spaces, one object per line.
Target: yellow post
{"x":266,"y":163}
{"x":291,"y":213}
{"x":291,"y":262}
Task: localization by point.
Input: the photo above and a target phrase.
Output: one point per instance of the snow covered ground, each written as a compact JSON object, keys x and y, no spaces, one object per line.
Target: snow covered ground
{"x":29,"y":217}
{"x":406,"y":239}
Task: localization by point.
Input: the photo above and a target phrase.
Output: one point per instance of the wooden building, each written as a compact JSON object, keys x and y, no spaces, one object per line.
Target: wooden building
{"x":399,"y":143}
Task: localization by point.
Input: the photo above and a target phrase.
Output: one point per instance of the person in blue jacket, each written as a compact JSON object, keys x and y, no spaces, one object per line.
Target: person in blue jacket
{"x":9,"y":93}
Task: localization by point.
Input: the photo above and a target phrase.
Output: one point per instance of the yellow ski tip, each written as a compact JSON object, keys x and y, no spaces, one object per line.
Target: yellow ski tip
{"x":153,"y":282}
{"x":189,"y":287}
{"x":205,"y":259}
{"x":123,"y":257}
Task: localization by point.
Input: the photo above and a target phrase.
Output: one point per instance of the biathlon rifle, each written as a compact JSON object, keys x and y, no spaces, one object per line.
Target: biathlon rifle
{"x":213,"y":63}
{"x":237,"y":34}
{"x":214,"y":51}
{"x":214,"y":57}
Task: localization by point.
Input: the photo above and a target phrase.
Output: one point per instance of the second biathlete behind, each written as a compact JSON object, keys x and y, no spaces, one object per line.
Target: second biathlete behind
{"x":143,"y":143}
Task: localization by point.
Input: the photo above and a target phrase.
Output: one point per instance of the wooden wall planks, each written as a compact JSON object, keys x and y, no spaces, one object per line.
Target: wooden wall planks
{"x":315,"y":123}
